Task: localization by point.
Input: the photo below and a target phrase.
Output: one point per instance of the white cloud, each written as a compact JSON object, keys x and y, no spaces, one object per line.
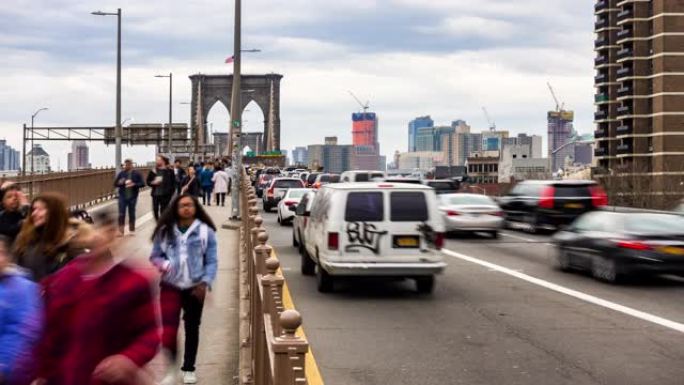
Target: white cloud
{"x":472,"y":26}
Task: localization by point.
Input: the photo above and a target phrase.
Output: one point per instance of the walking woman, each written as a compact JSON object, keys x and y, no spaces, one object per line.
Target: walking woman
{"x":221,"y":185}
{"x":48,"y":240}
{"x":190,"y":183}
{"x":184,"y":252}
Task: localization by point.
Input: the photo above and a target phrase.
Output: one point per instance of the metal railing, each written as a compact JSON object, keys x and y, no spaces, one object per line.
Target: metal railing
{"x":81,"y":188}
{"x":271,"y":353}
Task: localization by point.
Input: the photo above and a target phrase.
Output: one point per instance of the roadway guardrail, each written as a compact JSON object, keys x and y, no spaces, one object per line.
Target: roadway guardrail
{"x":271,"y":351}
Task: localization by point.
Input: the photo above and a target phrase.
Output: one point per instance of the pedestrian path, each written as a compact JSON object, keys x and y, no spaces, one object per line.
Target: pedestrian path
{"x":217,"y":360}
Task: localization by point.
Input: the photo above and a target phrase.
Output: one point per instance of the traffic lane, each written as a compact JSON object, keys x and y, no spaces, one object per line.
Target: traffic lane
{"x":535,"y":256}
{"x":479,"y":327}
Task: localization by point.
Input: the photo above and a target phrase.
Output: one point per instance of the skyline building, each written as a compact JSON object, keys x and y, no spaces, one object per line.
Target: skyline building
{"x":300,"y":156}
{"x":39,"y":159}
{"x":366,"y":148}
{"x":414,"y":126}
{"x":560,"y":132}
{"x":9,"y":157}
{"x":331,"y":156}
{"x":78,"y":158}
{"x":640,"y":91}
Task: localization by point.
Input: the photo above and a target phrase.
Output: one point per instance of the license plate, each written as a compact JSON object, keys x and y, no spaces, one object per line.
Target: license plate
{"x":574,"y":206}
{"x":672,"y":250}
{"x":406,"y":242}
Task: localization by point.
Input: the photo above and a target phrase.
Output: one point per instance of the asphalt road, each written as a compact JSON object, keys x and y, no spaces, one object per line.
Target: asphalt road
{"x":500,"y":314}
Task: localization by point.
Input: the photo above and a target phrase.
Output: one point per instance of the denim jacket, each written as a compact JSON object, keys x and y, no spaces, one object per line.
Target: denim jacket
{"x":20,"y":323}
{"x":202,"y":266}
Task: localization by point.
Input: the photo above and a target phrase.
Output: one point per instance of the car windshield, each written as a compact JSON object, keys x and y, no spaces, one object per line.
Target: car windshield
{"x":654,"y":224}
{"x":296,"y":194}
{"x":288,"y":183}
{"x":463,"y":199}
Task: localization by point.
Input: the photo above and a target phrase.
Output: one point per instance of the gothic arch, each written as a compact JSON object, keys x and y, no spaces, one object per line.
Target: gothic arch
{"x":264,"y":90}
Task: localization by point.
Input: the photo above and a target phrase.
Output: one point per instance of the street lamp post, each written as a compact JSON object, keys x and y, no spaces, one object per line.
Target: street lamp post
{"x":170,"y":130}
{"x":117,"y":130}
{"x":33,"y":154}
{"x":235,"y":112}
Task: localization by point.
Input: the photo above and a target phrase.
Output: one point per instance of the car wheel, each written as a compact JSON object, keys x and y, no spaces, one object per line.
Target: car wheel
{"x":425,"y":285}
{"x":563,"y":260}
{"x":495,"y":234}
{"x":308,"y":267}
{"x":267,"y":208}
{"x":325,"y":281}
{"x":302,"y":249}
{"x":605,"y":269}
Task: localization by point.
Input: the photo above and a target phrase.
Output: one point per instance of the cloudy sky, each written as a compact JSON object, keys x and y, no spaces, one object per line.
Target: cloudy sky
{"x":444,"y":58}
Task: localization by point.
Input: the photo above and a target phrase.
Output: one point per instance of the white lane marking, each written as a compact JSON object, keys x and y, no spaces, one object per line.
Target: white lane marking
{"x":525,"y":239}
{"x":517,"y":237}
{"x":572,"y":293}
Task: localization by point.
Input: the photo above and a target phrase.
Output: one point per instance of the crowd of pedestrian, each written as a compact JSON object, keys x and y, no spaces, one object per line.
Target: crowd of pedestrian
{"x":73,"y":312}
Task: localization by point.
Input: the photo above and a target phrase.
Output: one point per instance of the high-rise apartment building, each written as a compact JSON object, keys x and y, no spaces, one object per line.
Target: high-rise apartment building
{"x":533,"y":141}
{"x":640,"y":90}
{"x":332,"y":157}
{"x":414,"y":126}
{"x":77,"y":159}
{"x":9,"y":157}
{"x":300,"y":156}
{"x":560,"y":134}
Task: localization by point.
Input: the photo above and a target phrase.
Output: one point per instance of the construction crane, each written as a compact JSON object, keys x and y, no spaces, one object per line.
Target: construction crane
{"x":559,"y":106}
{"x":492,"y":124}
{"x":365,"y":107}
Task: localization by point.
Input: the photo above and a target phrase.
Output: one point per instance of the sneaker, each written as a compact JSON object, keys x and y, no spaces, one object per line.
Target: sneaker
{"x":169,"y":378}
{"x":189,"y":378}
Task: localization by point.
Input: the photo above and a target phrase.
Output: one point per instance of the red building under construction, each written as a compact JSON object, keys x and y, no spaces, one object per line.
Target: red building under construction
{"x":366,"y":149}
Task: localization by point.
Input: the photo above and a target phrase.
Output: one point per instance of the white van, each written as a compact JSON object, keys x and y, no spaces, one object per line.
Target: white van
{"x":361,"y":176}
{"x":374,"y":229}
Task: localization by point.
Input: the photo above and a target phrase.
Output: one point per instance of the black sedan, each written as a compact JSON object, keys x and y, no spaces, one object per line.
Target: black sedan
{"x":614,"y":245}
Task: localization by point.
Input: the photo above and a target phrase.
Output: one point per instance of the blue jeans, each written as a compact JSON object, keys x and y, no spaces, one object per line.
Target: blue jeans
{"x":127,"y":204}
{"x":206,"y":195}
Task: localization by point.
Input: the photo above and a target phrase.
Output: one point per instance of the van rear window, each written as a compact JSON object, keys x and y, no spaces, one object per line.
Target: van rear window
{"x":408,"y":207}
{"x":364,"y":207}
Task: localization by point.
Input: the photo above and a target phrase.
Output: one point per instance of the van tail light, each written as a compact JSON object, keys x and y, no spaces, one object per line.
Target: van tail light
{"x":333,"y":241}
{"x":598,"y":196}
{"x":271,"y":191}
{"x":546,"y":198}
{"x":633,"y":245}
{"x":439,"y":241}
{"x":317,"y":185}
{"x":452,"y":213}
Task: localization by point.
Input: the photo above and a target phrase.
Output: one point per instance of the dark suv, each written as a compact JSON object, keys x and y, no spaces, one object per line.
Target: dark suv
{"x":551,"y":204}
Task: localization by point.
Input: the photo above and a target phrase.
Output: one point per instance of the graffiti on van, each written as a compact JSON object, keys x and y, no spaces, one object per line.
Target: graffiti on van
{"x":363,"y":235}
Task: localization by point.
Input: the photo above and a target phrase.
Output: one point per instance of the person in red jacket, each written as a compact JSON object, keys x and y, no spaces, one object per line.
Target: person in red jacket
{"x":100,"y":319}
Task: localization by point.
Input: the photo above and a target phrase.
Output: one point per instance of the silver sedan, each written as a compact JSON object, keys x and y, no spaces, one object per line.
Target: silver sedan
{"x":471,"y":213}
